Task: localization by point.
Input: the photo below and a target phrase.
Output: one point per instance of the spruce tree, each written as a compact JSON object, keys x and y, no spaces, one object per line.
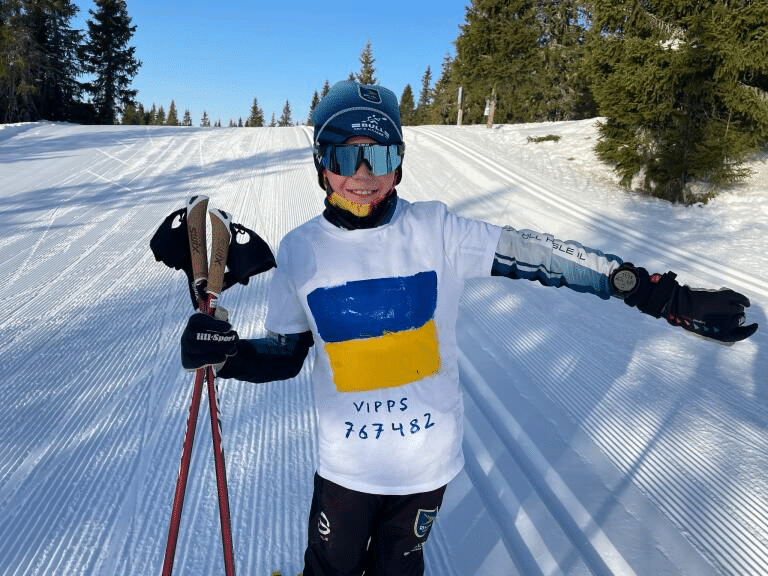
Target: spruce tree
{"x":683,"y":89}
{"x":38,"y":60}
{"x":108,"y":56}
{"x":285,"y":117}
{"x":160,"y":118}
{"x":256,"y":118}
{"x":367,"y":71}
{"x":425,"y":97}
{"x":312,"y":105}
{"x":187,"y":120}
{"x":16,"y":77}
{"x":173,"y":116}
{"x":563,"y":89}
{"x":529,"y":53}
{"x":407,"y":107}
{"x":132,"y":115}
{"x":497,"y":51}
{"x":149,"y":116}
{"x":205,"y":122}
{"x":444,"y":96}
{"x":56,"y":63}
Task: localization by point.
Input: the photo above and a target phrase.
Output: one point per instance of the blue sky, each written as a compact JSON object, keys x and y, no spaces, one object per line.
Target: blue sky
{"x":218,"y":56}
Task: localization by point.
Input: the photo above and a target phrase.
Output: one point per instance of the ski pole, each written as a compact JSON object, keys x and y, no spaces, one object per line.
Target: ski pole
{"x":220,"y":226}
{"x":196,"y":212}
{"x":180,"y":243}
{"x":207,"y":284}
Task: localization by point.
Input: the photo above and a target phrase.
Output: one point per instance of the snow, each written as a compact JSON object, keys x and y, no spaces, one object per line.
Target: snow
{"x":598,"y":440}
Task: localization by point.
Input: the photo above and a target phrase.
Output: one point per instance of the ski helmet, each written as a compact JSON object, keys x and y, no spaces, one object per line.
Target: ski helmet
{"x":353,"y":109}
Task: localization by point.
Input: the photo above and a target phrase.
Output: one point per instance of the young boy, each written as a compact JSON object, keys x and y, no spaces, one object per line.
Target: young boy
{"x":374,"y":284}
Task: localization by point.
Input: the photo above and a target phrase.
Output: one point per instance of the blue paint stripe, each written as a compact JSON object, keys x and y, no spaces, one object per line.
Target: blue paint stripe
{"x":371,"y":308}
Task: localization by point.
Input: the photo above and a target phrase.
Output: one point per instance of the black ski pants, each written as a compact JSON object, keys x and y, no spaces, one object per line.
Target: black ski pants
{"x":353,"y":533}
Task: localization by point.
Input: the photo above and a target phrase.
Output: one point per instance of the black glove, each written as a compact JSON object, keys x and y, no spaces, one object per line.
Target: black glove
{"x":248,"y":254}
{"x":716,"y":314}
{"x":207,"y":341}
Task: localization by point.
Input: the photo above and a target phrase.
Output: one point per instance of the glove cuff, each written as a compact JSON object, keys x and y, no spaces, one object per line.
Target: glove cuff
{"x":652,"y":294}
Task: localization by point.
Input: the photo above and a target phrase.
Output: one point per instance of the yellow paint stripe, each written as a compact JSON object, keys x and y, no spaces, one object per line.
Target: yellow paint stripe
{"x":391,"y":360}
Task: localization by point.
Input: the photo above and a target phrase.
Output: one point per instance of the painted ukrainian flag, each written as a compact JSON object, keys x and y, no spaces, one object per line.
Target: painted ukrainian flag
{"x":379,"y":333}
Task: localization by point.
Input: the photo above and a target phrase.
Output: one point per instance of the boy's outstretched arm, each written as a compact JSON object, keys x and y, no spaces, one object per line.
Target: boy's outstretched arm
{"x":530,"y":255}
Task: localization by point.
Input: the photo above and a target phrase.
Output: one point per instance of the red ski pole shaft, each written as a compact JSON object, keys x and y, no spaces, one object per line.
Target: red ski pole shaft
{"x":181,"y":482}
{"x":221,"y":478}
{"x":220,"y":222}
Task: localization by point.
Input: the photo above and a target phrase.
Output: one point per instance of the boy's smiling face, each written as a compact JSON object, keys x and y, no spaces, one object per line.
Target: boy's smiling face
{"x":362,"y":191}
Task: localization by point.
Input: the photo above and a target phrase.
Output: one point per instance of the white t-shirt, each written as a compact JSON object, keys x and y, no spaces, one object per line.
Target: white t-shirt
{"x":382,"y":305}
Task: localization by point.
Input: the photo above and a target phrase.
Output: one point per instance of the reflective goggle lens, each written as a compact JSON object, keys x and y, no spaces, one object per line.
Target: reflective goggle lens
{"x":346,"y":159}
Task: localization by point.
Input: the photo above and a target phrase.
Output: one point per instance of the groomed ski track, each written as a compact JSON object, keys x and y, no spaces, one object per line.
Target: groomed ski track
{"x":598,"y":440}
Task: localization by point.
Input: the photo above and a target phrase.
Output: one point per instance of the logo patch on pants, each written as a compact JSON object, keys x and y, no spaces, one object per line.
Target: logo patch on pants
{"x":324,"y":526}
{"x":424,"y":521}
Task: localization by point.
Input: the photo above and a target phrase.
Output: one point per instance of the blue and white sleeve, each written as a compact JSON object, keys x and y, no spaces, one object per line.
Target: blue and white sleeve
{"x":530,"y":255}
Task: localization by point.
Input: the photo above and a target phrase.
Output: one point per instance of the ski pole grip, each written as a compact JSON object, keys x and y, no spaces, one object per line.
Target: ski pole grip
{"x":196,"y":209}
{"x":220,"y":223}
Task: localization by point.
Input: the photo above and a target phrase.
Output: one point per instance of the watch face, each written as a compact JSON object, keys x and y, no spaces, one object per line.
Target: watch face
{"x":624,"y":280}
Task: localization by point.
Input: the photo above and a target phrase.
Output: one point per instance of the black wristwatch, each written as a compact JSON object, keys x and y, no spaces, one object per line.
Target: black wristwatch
{"x":624,"y":280}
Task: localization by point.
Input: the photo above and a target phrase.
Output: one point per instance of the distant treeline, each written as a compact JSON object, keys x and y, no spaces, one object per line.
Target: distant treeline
{"x":681,"y":88}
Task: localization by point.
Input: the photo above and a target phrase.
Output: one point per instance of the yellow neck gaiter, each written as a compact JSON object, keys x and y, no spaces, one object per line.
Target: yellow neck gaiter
{"x":359,"y":210}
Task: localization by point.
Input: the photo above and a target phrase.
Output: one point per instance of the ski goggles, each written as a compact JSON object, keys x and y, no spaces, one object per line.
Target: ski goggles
{"x":345,"y":159}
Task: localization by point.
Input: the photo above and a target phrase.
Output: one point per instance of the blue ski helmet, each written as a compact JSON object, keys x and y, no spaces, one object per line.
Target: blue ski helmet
{"x":352,"y":109}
